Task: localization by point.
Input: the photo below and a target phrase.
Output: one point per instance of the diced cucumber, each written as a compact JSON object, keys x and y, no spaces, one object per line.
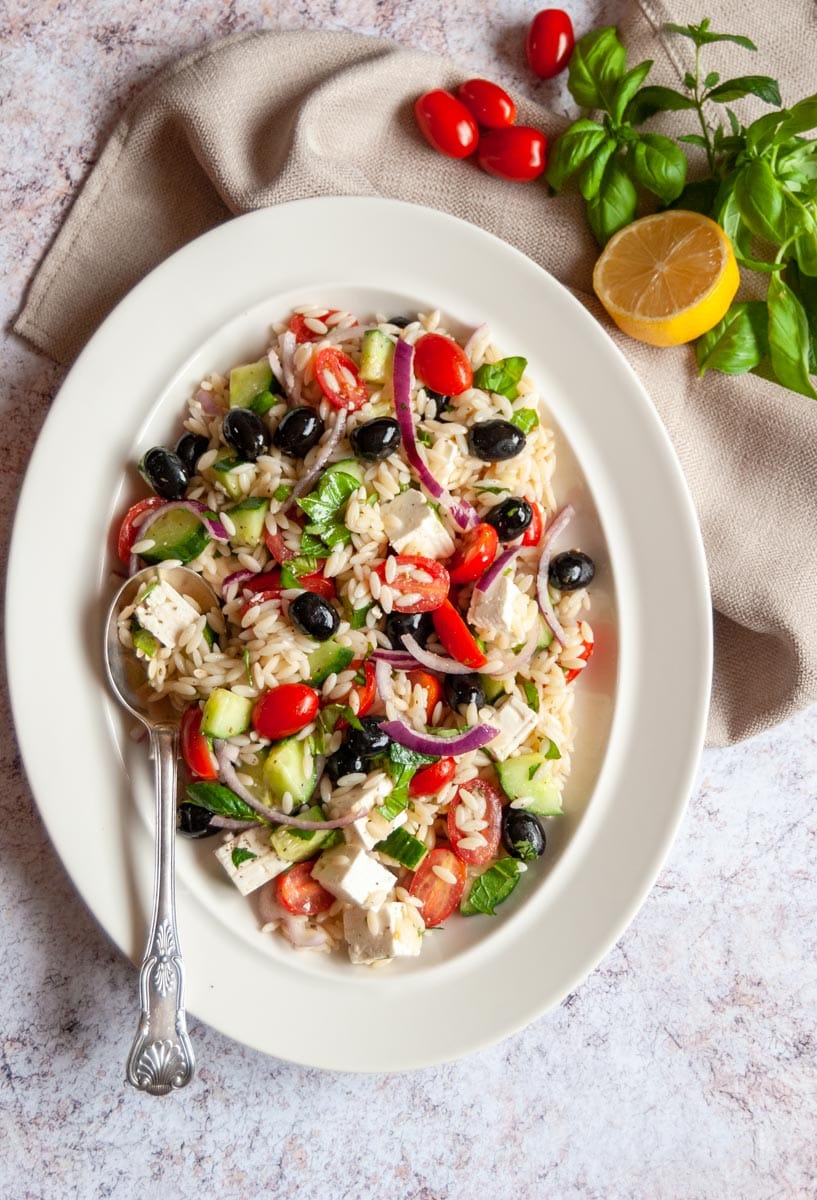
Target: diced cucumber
{"x":142,"y":640}
{"x":249,"y":381}
{"x":225,"y":714}
{"x":255,"y":773}
{"x":248,"y":518}
{"x":297,"y":845}
{"x":285,"y":770}
{"x":223,"y":471}
{"x":404,"y":848}
{"x":263,"y":402}
{"x":346,"y":466}
{"x":177,"y":534}
{"x":545,"y":635}
{"x":517,"y":777}
{"x":326,"y":659}
{"x":376,"y":356}
{"x":493,"y":688}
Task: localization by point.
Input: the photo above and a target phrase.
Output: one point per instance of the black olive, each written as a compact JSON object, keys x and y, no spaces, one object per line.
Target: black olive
{"x":165,"y":472}
{"x":419,"y":625}
{"x":298,"y":431}
{"x":494,"y":441}
{"x":570,"y":570}
{"x":462,"y":690}
{"x":376,"y":439}
{"x":190,"y":448}
{"x":368,"y":742}
{"x":510,"y":519}
{"x":246,"y":433}
{"x":342,"y":762}
{"x":522,"y":834}
{"x":314,"y":616}
{"x":399,"y":322}
{"x":194,"y":821}
{"x":441,"y":402}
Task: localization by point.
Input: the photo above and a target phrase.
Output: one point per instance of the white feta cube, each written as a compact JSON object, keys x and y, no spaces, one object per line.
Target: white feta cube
{"x":373,"y":828}
{"x":413,"y":527}
{"x":503,"y":611}
{"x":394,"y":931}
{"x":250,"y":873}
{"x":515,"y":721}
{"x":165,"y":613}
{"x":351,"y":874}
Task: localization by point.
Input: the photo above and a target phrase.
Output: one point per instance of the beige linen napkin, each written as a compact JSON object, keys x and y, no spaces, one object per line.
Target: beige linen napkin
{"x":270,"y":117}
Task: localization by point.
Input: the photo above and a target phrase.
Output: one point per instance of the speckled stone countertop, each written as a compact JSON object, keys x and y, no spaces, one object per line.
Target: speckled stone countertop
{"x":683,"y":1068}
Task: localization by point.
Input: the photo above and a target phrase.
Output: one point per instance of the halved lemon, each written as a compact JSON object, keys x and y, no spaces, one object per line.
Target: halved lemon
{"x":668,"y":278}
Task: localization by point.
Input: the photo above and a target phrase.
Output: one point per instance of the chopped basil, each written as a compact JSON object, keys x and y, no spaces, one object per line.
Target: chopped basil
{"x":209,"y":635}
{"x":372,"y":500}
{"x":525,"y":419}
{"x":217,"y":798}
{"x":403,"y":757}
{"x":531,"y":694}
{"x":294,"y":568}
{"x":247,"y":667}
{"x":494,"y":491}
{"x":329,"y":716}
{"x":240,"y":856}
{"x":491,"y":888}
{"x":393,"y":805}
{"x":282,"y":492}
{"x":501,"y":377}
{"x":357,"y":617}
{"x":325,"y":507}
{"x":425,"y":437}
{"x":261,"y":404}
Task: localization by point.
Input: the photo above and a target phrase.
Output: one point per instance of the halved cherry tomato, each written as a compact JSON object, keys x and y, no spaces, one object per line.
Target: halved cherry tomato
{"x":433,"y":687}
{"x":285,"y":710}
{"x":365,"y":691}
{"x":550,"y":42}
{"x":430,"y":591}
{"x":265,"y":581}
{"x":439,"y":897}
{"x":128,"y":530}
{"x":446,"y":123}
{"x":339,"y":380}
{"x":533,"y":533}
{"x":457,"y":638}
{"x":277,"y":547}
{"x":196,"y":749}
{"x":303,"y":333}
{"x":492,"y":798}
{"x":429,"y":780}
{"x":475,"y":553}
{"x":267,"y":586}
{"x":441,"y":364}
{"x":585,"y":653}
{"x":516,"y":153}
{"x":488,"y":103}
{"x":300,"y":893}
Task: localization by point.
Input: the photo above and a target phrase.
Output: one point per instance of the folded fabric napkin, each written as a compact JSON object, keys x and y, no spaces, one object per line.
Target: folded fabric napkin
{"x":264,"y":118}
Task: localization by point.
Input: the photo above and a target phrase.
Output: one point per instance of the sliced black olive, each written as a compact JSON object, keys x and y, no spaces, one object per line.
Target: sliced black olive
{"x":570,"y":570}
{"x":462,"y":690}
{"x":419,"y":625}
{"x":522,"y":834}
{"x":246,"y":433}
{"x":376,"y":439}
{"x":441,"y":402}
{"x":368,"y":742}
{"x":399,"y":322}
{"x":298,"y":431}
{"x":190,"y":448}
{"x":495,"y":441}
{"x":194,"y":821}
{"x":343,"y":762}
{"x":165,"y":472}
{"x":314,"y":616}
{"x":510,"y":518}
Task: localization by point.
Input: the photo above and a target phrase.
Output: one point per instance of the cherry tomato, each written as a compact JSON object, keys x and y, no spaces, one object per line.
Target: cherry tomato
{"x":284,"y":710}
{"x":365,"y":691}
{"x":474,"y":555}
{"x":550,"y":42}
{"x":585,"y":653}
{"x":516,"y":153}
{"x":492,"y":799}
{"x":429,"y":780}
{"x":430,"y":589}
{"x":128,"y":530}
{"x":339,"y":380}
{"x":433,"y":687}
{"x":446,"y":124}
{"x":277,"y":547}
{"x":267,"y":586}
{"x":265,"y":581}
{"x":442,"y":365}
{"x":533,"y":533}
{"x":488,"y":103}
{"x":299,"y":893}
{"x":457,"y":638}
{"x":196,"y":749}
{"x":439,"y":897}
{"x":303,"y":333}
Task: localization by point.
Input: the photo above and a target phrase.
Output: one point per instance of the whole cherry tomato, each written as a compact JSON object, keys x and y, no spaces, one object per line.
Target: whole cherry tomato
{"x":475,"y":553}
{"x":533,"y":533}
{"x":197,"y":751}
{"x":446,"y":124}
{"x":300,"y":893}
{"x":550,"y":42}
{"x":490,"y":800}
{"x":429,"y":780}
{"x":516,"y":153}
{"x":284,"y":710}
{"x":489,"y":104}
{"x":439,"y":896}
{"x":441,"y":364}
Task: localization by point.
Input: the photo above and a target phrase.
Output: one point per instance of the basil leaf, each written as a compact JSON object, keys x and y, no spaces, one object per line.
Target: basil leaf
{"x":762,"y":201}
{"x":804,"y":250}
{"x":401,"y":756}
{"x":700,"y":35}
{"x":805,"y":289}
{"x":627,"y":87}
{"x":652,"y":100}
{"x":597,"y":64}
{"x":699,"y":196}
{"x":658,"y":165}
{"x":531,"y":694}
{"x":294,"y":568}
{"x":711,"y":79}
{"x":762,"y":133}
{"x":491,"y":887}
{"x":393,"y":805}
{"x":357,"y":617}
{"x":240,"y":856}
{"x":263,"y":402}
{"x":593,"y":171}
{"x":525,"y":419}
{"x":799,"y":118}
{"x":737,"y":343}
{"x":247,"y":669}
{"x":762,"y":86}
{"x":615,"y":204}
{"x":789,"y":338}
{"x":693,"y":139}
{"x":501,"y":377}
{"x":733,"y":122}
{"x":281,"y":492}
{"x":572,"y":149}
{"x":313,"y":546}
{"x":220,"y":800}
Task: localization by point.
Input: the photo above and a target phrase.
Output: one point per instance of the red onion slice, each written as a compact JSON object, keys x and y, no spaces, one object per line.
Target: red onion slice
{"x":275,"y":366}
{"x":499,"y":668}
{"x":236,"y":577}
{"x":231,"y":826}
{"x":288,"y":345}
{"x":305,"y":483}
{"x":434,"y":662}
{"x":208,"y":402}
{"x":553,"y":530}
{"x":382,"y":676}
{"x":429,"y":743}
{"x":492,"y":573}
{"x":398,"y":660}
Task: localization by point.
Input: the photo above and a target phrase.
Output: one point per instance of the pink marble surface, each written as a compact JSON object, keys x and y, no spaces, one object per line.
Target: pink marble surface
{"x":683,"y":1068}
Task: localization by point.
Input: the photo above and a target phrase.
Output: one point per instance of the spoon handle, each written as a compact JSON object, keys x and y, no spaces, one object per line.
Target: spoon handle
{"x":161,"y":1058}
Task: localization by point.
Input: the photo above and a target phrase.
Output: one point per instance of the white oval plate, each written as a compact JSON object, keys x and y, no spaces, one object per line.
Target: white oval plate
{"x":641,"y":704}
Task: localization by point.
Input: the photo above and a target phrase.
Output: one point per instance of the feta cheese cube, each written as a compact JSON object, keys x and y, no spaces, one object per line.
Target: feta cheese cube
{"x":253,"y":872}
{"x":165,"y":613}
{"x":394,"y":931}
{"x":413,"y":527}
{"x":504,"y":611}
{"x":351,"y":874}
{"x":515,"y":721}
{"x":373,"y":828}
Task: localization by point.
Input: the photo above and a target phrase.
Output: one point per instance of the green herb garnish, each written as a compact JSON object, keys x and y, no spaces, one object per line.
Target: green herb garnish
{"x":240,"y":856}
{"x":491,"y":888}
{"x":501,"y":377}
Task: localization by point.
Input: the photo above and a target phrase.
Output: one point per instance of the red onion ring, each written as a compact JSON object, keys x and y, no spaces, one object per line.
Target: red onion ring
{"x":230,"y":825}
{"x":490,"y":574}
{"x":515,"y":662}
{"x":398,"y":660}
{"x":236,"y":577}
{"x":434,"y":662}
{"x":553,"y":530}
{"x":288,"y":344}
{"x":208,"y":402}
{"x":429,"y":743}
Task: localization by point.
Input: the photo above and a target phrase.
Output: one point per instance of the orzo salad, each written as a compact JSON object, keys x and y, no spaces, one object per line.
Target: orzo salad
{"x":376,"y":718}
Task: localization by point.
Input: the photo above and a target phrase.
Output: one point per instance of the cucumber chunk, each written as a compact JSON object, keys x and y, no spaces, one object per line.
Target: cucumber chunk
{"x":287,"y":769}
{"x":263,"y":402}
{"x":404,"y":848}
{"x":346,"y":466}
{"x":545,"y":634}
{"x":516,"y":777}
{"x":225,"y":714}
{"x":327,"y":658}
{"x":248,"y":518}
{"x":143,"y":640}
{"x":177,"y":534}
{"x":297,"y":845}
{"x":223,"y":472}
{"x":376,"y":357}
{"x":492,"y":688}
{"x":249,"y":381}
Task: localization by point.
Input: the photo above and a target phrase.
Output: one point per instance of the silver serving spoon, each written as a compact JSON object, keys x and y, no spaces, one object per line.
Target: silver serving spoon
{"x":161,"y":1057}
